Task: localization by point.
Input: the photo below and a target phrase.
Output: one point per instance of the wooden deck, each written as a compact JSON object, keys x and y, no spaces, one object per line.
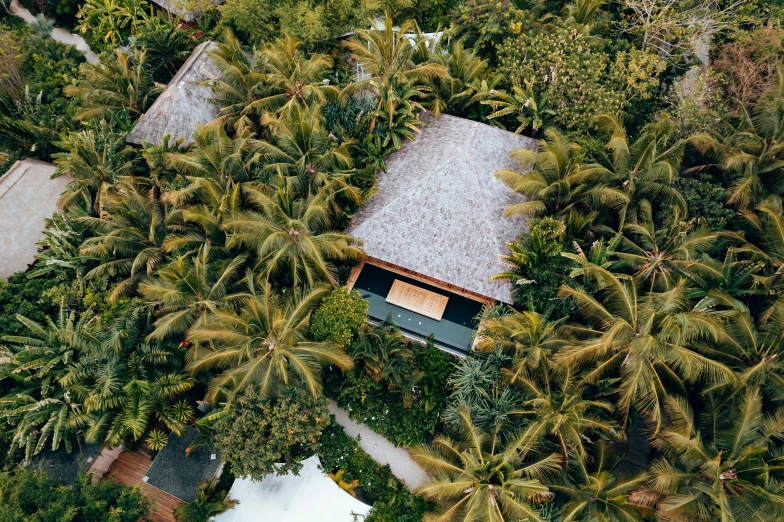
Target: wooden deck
{"x":129,"y":469}
{"x":416,"y":299}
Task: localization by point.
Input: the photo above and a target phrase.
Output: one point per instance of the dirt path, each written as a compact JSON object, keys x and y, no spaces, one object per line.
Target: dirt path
{"x":381,"y":450}
{"x":58,"y":35}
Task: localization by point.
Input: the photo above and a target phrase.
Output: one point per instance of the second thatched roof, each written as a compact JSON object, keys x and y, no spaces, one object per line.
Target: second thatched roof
{"x":185,"y":103}
{"x":439,"y":210}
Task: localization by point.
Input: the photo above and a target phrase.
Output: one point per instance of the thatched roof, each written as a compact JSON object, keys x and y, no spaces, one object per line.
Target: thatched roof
{"x":183,"y":105}
{"x":28,"y":196}
{"x":439,"y":209}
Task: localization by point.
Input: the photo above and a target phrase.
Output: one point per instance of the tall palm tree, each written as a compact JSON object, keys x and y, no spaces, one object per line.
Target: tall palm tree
{"x":119,"y":82}
{"x":527,"y":337}
{"x":659,"y":257}
{"x":96,"y":161}
{"x":186,"y":290}
{"x":265,"y":342}
{"x":549,"y":178}
{"x":129,"y":239}
{"x":646,"y":339}
{"x":388,"y":56}
{"x":723,"y":468}
{"x":218,"y":170}
{"x":308,"y":157}
{"x":481,"y":479}
{"x":644,"y":169}
{"x":291,"y":237}
{"x":240,"y":81}
{"x":595,"y":492}
{"x":559,"y":412}
{"x":752,"y":155}
{"x":291,"y":79}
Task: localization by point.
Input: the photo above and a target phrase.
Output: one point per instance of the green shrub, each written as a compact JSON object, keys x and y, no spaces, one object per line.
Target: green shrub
{"x":391,"y":501}
{"x":263,"y":432}
{"x":373,"y":404}
{"x":30,"y":495}
{"x":339,"y":317}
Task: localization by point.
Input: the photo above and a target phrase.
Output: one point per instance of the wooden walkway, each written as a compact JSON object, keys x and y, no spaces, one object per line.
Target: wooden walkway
{"x":129,"y":469}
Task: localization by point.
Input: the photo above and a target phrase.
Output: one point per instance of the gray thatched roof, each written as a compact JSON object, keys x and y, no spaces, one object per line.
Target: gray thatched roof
{"x":439,"y":209}
{"x":28,"y":195}
{"x":183,"y":105}
{"x":64,"y":466}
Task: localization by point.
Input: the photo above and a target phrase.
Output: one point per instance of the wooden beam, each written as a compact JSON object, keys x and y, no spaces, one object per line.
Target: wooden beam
{"x":352,"y":279}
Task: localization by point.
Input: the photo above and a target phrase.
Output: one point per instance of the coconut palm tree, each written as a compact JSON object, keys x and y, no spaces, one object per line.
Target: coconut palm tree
{"x":239,"y":82}
{"x":291,"y":238}
{"x":291,"y":79}
{"x":186,"y":290}
{"x":595,"y":492}
{"x":96,"y":160}
{"x":752,"y":155}
{"x":644,"y":169}
{"x":388,"y":56}
{"x":659,"y":257}
{"x":527,"y":337}
{"x":725,"y":467}
{"x":129,"y":239}
{"x":218,"y":171}
{"x":479,"y":478}
{"x":113,"y":84}
{"x":559,"y":412}
{"x":646,"y":339}
{"x":529,"y":110}
{"x":549,"y":179}
{"x":265,"y":342}
{"x":308,"y":157}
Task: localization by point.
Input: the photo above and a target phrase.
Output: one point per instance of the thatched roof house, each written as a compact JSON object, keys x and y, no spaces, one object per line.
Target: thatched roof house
{"x":28,"y":196}
{"x":438,"y":219}
{"x":184,"y":104}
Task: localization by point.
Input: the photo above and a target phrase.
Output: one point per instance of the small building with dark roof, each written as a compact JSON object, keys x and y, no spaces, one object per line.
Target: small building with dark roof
{"x":179,"y":475}
{"x":64,"y":466}
{"x":435,"y":230}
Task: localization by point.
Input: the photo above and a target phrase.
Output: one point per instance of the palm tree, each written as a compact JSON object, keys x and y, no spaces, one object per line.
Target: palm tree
{"x":129,"y":240}
{"x":482,"y":479}
{"x":186,"y":290}
{"x":96,"y":161}
{"x":644,"y":169}
{"x":292,"y":80}
{"x":530,"y":111}
{"x":527,"y":337}
{"x":309,"y":157}
{"x":125,"y":383}
{"x":595,"y":492}
{"x":386,"y":356}
{"x":210,"y":500}
{"x":659,"y":257}
{"x":752,"y":155}
{"x":724,"y":468}
{"x":107,"y":18}
{"x":549,"y":178}
{"x":239,"y":82}
{"x":291,"y":238}
{"x":646,"y":339}
{"x":37,"y":406}
{"x":388,"y":57}
{"x":559,"y":412}
{"x":113,"y":84}
{"x":265,"y":343}
{"x":219,"y":169}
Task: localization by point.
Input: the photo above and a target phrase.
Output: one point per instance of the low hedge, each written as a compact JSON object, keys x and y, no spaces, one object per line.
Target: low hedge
{"x":390,"y":499}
